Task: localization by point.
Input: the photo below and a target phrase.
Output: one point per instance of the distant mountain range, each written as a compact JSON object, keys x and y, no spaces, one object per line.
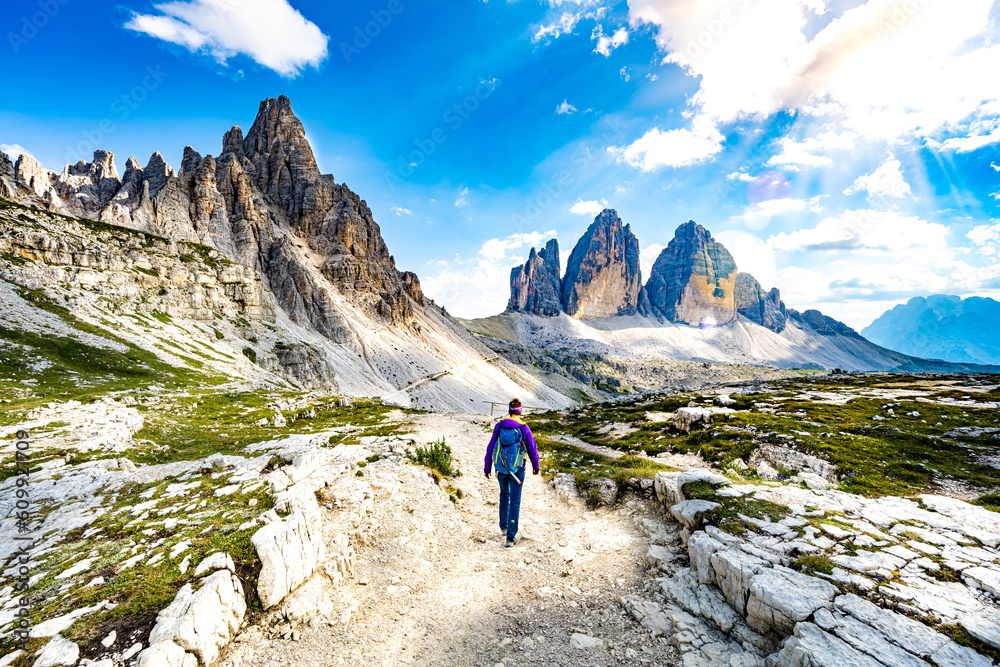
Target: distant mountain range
{"x":695,"y":305}
{"x":941,"y":327}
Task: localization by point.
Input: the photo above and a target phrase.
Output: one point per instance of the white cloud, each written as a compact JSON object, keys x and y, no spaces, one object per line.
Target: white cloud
{"x":995,"y":166}
{"x":740,"y":176}
{"x":969,"y":143}
{"x":565,"y":108}
{"x":401,"y":211}
{"x":673,"y":148}
{"x":886,"y":181}
{"x":984,"y":234}
{"x":562,"y":26}
{"x":625,"y":73}
{"x":652,"y":76}
{"x":14,"y":151}
{"x":883,"y":69}
{"x":461,"y":200}
{"x":866,"y":231}
{"x":647,"y":257}
{"x":752,"y":255}
{"x":480,"y":286}
{"x":591,"y":208}
{"x":271,"y":32}
{"x":812,"y":151}
{"x":608,"y":43}
{"x":758,"y":215}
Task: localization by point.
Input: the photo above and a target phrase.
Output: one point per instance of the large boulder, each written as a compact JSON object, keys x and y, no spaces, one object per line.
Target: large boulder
{"x":603,"y":278}
{"x":290,"y":550}
{"x":200,"y":622}
{"x":764,"y":308}
{"x":694,"y":279}
{"x":535,"y":286}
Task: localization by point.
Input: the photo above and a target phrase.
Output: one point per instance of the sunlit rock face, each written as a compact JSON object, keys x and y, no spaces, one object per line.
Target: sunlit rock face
{"x":263,"y":203}
{"x":603,"y":278}
{"x":694,"y":279}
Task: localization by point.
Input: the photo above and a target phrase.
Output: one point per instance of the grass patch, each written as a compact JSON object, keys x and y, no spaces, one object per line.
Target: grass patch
{"x":990,"y":501}
{"x":437,"y":458}
{"x":250,"y":354}
{"x":813,"y":563}
{"x":727,"y":516}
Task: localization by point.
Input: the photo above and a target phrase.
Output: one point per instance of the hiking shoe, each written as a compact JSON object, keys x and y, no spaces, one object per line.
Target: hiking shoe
{"x":509,"y":543}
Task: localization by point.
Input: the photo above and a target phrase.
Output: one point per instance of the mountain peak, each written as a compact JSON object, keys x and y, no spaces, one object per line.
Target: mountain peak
{"x":603,"y":278}
{"x":694,"y":279}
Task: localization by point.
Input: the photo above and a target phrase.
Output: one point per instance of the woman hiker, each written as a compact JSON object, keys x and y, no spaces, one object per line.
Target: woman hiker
{"x":511,"y":437}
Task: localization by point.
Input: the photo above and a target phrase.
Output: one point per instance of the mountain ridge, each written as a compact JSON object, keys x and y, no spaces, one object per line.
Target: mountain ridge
{"x":943,"y":327}
{"x":263,"y":204}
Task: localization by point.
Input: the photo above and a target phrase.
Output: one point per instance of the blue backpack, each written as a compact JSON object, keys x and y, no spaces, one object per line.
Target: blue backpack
{"x":508,"y":454}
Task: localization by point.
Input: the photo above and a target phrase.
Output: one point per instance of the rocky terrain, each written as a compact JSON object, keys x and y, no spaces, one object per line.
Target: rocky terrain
{"x":746,"y":525}
{"x":255,"y":242}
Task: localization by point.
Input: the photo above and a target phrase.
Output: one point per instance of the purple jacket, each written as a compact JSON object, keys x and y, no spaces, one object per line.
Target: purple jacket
{"x":529,"y":440}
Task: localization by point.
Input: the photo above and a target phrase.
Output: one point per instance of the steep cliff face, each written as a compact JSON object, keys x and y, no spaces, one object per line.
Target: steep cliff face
{"x":8,"y":179}
{"x":603,"y":278}
{"x":535,"y":286}
{"x":263,"y":204}
{"x":765,"y":308}
{"x":694,"y":279}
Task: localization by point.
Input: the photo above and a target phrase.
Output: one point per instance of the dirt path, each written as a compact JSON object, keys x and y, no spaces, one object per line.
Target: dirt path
{"x":439,"y":588}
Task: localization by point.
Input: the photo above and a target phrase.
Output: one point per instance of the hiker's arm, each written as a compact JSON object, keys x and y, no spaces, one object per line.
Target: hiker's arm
{"x":488,"y":463}
{"x":532,"y":448}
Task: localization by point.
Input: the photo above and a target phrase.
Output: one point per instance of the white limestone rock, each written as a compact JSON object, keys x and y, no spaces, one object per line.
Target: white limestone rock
{"x":865,"y":639}
{"x":689,"y":512}
{"x":984,"y":578}
{"x":217,"y":561}
{"x":290,"y":550}
{"x":166,"y":654}
{"x":201,"y":622}
{"x":809,"y":646}
{"x":581,"y":641}
{"x":54,"y":626}
{"x":780,"y":598}
{"x":648,"y":613}
{"x":700,"y":550}
{"x":985,"y":629}
{"x":733,"y":571}
{"x":59,"y":651}
{"x":669,"y":485}
{"x":685,"y":418}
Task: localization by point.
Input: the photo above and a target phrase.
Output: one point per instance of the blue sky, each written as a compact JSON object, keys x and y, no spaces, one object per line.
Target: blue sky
{"x":845,"y":151}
